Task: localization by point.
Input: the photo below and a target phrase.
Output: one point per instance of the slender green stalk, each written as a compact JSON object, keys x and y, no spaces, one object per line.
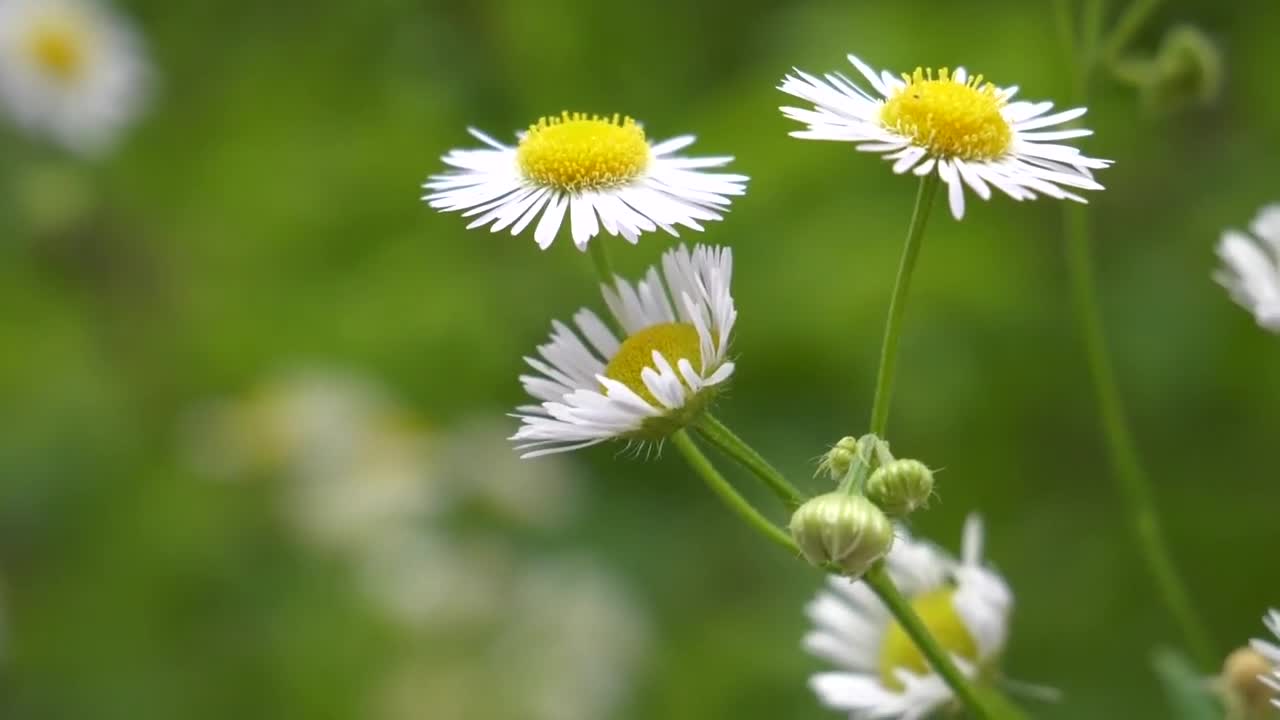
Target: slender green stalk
{"x":600,"y":260}
{"x":724,"y":439}
{"x":898,"y":303}
{"x":737,"y":504}
{"x":877,"y":578}
{"x":1134,"y":484}
{"x":1126,"y":467}
{"x":1130,"y":22}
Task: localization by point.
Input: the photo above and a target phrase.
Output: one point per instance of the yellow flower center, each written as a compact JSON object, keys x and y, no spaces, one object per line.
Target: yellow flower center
{"x":59,"y":49}
{"x":576,"y":152}
{"x":675,"y":341}
{"x":950,"y":119}
{"x":938,"y":612}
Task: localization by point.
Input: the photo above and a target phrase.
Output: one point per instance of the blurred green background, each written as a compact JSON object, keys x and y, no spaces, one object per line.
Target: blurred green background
{"x":262,"y":224}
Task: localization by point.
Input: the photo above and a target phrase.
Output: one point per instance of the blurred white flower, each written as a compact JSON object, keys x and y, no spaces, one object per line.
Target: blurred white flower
{"x":882,"y":674}
{"x":70,"y":69}
{"x":601,"y":171}
{"x":1271,"y":652}
{"x":1252,"y":267}
{"x":955,"y":124}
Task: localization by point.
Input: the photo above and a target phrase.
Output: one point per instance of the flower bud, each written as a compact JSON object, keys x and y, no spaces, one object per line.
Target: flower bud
{"x":1189,"y":67}
{"x":1241,"y":683}
{"x":900,"y":487}
{"x":840,"y":458}
{"x":844,"y":530}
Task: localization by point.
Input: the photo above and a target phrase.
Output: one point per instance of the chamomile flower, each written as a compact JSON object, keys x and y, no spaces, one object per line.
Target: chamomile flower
{"x":1252,"y":267}
{"x":70,"y":69}
{"x":882,"y":674}
{"x":650,"y":383}
{"x":965,"y":129}
{"x":600,"y":171}
{"x":1271,"y":652}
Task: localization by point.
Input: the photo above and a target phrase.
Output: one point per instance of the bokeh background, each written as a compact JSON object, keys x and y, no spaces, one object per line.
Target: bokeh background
{"x":251,"y":459}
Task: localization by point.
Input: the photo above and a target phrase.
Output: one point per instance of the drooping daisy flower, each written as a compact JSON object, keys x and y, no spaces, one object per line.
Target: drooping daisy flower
{"x":965,"y":605}
{"x":1271,"y":652}
{"x":70,"y":69}
{"x":652,"y":382}
{"x":963,"y":128}
{"x":1252,"y":272}
{"x":600,"y":171}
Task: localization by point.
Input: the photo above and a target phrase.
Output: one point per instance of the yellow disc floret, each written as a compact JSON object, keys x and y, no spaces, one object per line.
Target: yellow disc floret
{"x":675,"y":341}
{"x":938,"y":612}
{"x":576,"y":152}
{"x":58,"y":48}
{"x":950,"y":119}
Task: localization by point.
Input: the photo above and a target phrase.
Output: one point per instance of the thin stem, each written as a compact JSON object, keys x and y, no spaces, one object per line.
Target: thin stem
{"x":724,"y":439}
{"x":737,"y":504}
{"x":878,"y":579}
{"x":604,"y":271}
{"x":1134,"y":484}
{"x":1130,"y":22}
{"x":897,"y":304}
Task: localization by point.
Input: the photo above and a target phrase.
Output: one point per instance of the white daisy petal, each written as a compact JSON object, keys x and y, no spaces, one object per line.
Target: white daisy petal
{"x":968,"y":131}
{"x":508,"y":187}
{"x":852,"y":630}
{"x":1251,"y":268}
{"x":581,"y":404}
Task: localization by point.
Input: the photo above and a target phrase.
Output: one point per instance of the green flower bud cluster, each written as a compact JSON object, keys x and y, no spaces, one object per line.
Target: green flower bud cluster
{"x":851,"y":528}
{"x":1186,"y":70}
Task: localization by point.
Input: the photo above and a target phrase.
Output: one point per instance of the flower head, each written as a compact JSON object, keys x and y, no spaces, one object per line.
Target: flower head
{"x":882,"y":674}
{"x":1252,"y":272}
{"x":950,"y":122}
{"x":601,"y":171}
{"x":70,"y":69}
{"x":648,"y":384}
{"x":1271,"y":652}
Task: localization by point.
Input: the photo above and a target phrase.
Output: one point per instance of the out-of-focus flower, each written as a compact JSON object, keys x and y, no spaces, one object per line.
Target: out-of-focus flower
{"x":601,"y":171}
{"x":70,"y":69}
{"x":955,"y":124}
{"x":882,"y":674}
{"x":659,"y":378}
{"x":1271,"y":652}
{"x":1252,"y":267}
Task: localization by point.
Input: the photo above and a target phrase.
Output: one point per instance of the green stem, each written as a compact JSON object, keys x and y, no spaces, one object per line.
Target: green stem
{"x":739,"y":505}
{"x":878,"y":579}
{"x":1134,"y":484}
{"x":724,"y":439}
{"x":897,"y":304}
{"x":604,"y":271}
{"x":1130,"y":22}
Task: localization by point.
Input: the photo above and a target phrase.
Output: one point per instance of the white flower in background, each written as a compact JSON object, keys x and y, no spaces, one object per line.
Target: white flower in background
{"x":1271,"y":652}
{"x":70,"y":69}
{"x":1252,"y":272}
{"x":656,"y":380}
{"x":568,"y":644}
{"x":881,"y":674}
{"x":966,"y":130}
{"x":601,"y":171}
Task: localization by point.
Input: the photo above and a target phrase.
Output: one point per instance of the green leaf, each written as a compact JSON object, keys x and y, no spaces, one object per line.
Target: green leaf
{"x":1188,"y":694}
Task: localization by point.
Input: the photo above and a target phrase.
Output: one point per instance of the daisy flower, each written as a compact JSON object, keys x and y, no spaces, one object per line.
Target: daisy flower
{"x":965,"y":129}
{"x":70,"y":69}
{"x":882,"y":674}
{"x":1271,"y":652}
{"x":651,"y":383}
{"x":600,"y":171}
{"x":1252,"y":272}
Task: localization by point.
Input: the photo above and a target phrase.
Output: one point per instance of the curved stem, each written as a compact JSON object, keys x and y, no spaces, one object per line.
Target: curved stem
{"x":1130,"y":22}
{"x":724,"y":439}
{"x":737,"y":504}
{"x":1134,"y":485}
{"x":877,"y":578}
{"x":897,"y":304}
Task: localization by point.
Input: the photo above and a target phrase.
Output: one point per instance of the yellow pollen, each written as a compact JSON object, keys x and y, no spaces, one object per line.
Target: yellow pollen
{"x":950,"y":119}
{"x":938,"y":612}
{"x":675,"y":341}
{"x":58,"y":48}
{"x":576,"y":152}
